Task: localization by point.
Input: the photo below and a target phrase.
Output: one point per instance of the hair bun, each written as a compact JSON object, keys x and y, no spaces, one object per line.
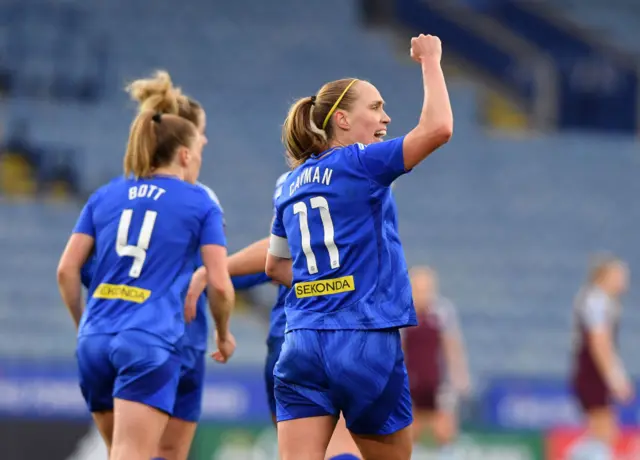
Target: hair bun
{"x":156,"y":93}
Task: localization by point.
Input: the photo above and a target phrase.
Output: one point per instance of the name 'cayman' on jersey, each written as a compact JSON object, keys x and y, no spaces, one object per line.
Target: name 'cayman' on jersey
{"x":336,"y":218}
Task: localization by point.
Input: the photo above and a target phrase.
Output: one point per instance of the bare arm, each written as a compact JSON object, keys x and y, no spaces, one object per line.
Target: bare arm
{"x":453,"y":347}
{"x":606,"y":359}
{"x":73,"y":258}
{"x":435,"y":127}
{"x":456,"y":358}
{"x":221,"y":293}
{"x":279,"y":264}
{"x":250,"y":260}
{"x":279,"y":270}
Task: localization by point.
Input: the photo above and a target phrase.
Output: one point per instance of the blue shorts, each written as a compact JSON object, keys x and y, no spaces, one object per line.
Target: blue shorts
{"x":132,"y":365}
{"x":360,"y":373}
{"x":274,"y":345}
{"x":188,"y":405}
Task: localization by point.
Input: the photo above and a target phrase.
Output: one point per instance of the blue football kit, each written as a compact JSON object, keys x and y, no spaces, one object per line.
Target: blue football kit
{"x":188,"y":404}
{"x":336,"y":219}
{"x":147,"y":234}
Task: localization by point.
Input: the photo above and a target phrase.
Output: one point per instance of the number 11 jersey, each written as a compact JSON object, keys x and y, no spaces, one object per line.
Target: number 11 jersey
{"x":336,"y":219}
{"x":147,"y":233}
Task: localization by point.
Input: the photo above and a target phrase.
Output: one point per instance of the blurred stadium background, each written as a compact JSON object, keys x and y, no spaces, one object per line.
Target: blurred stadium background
{"x":542,"y":171}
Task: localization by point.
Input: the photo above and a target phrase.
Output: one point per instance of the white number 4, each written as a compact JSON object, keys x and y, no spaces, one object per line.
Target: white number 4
{"x":139,"y":251}
{"x":320,"y":203}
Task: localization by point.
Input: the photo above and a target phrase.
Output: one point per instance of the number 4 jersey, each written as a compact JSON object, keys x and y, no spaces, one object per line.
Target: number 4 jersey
{"x":147,"y":233}
{"x":336,"y":218}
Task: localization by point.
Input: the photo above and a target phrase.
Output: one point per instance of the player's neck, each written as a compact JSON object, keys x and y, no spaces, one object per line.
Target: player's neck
{"x":340,"y":141}
{"x":169,"y":171}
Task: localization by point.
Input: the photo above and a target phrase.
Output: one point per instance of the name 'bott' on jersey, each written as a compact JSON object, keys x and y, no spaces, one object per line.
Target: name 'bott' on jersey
{"x":147,"y":233}
{"x":337,"y":214}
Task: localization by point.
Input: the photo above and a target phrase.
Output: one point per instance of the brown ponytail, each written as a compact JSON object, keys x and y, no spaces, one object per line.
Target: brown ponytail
{"x":154,"y":140}
{"x":302,"y":132}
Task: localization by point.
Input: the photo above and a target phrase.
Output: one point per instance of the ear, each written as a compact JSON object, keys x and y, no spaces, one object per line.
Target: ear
{"x":184,"y":156}
{"x":341,"y":120}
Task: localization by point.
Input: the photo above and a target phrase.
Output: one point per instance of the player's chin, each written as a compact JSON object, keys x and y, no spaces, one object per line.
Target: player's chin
{"x":376,"y":139}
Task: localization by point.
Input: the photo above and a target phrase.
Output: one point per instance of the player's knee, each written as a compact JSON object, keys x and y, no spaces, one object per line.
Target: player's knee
{"x":167,"y":451}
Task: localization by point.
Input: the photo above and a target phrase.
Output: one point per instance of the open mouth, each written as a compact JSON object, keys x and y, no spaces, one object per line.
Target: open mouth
{"x":380,"y":134}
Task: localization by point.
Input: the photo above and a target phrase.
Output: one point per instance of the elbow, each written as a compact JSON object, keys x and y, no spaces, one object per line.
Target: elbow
{"x":277,"y":274}
{"x":221,"y":293}
{"x":64,"y":273}
{"x":272,"y":272}
{"x":442,"y":134}
{"x":221,"y":289}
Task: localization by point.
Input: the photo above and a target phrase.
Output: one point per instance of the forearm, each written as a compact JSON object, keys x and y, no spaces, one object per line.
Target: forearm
{"x":69,"y":284}
{"x":250,"y":260}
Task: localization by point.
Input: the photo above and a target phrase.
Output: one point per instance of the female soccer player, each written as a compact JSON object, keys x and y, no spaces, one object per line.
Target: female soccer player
{"x":251,"y":260}
{"x":437,"y":336}
{"x":599,"y":377}
{"x":146,"y":232}
{"x":159,"y":95}
{"x":334,"y":238}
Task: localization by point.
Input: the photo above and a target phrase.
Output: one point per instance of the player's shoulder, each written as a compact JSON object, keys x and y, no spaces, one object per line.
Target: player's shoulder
{"x":444,"y":306}
{"x":280,"y":184}
{"x":210,"y":193}
{"x":104,"y":191}
{"x":596,"y":298}
{"x":203,"y":197}
{"x":282,"y":178}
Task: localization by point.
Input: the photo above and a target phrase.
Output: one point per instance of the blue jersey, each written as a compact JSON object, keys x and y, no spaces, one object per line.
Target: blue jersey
{"x":197,"y":331}
{"x":147,"y":233}
{"x":278,"y":320}
{"x":336,"y":218}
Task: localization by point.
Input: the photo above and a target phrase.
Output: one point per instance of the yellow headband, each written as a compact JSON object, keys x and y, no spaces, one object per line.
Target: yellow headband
{"x":335,"y":106}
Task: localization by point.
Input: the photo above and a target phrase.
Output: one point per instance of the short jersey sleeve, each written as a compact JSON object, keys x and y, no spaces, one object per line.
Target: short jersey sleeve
{"x":449,"y":318}
{"x":213,"y":228}
{"x":85,"y":221}
{"x":596,"y":312}
{"x":383,"y":162}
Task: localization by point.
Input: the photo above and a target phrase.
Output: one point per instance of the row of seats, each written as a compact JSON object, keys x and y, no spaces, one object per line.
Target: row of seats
{"x":509,"y":223}
{"x":614,"y":21}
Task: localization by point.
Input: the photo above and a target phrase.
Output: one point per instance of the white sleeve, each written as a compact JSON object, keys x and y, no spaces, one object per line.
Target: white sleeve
{"x":450,"y":322}
{"x":595,"y":313}
{"x":279,"y":247}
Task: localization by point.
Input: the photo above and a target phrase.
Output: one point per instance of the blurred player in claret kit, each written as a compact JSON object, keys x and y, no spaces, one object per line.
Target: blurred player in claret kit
{"x":599,"y":379}
{"x":334,"y":239}
{"x":145,"y":230}
{"x":436,"y":362}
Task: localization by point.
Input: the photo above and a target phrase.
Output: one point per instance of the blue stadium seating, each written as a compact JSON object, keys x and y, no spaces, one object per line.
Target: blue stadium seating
{"x":615,"y":21}
{"x":509,"y":223}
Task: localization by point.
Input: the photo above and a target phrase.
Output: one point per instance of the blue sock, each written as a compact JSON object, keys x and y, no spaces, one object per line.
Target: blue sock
{"x":158,"y":458}
{"x":590,"y":449}
{"x":345,"y":457}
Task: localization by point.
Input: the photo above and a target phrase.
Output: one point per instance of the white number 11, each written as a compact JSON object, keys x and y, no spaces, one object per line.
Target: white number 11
{"x":317,"y":202}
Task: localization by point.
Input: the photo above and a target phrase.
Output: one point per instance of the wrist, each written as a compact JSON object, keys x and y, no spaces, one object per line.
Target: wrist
{"x":430,"y":62}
